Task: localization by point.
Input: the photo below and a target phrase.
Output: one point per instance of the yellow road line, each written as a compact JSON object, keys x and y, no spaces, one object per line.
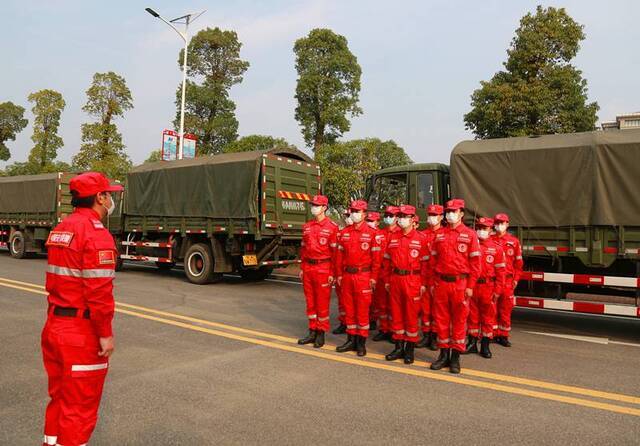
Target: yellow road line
{"x":469,"y":372}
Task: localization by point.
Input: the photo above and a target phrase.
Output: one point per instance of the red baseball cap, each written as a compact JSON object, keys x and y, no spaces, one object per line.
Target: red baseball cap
{"x":455,"y":204}
{"x":358,"y":205}
{"x":484,"y":221}
{"x":406,"y":209}
{"x":392,"y":210}
{"x":373,"y":216}
{"x":92,"y":183}
{"x":501,"y":217}
{"x":320,"y":200}
{"x":435,"y":209}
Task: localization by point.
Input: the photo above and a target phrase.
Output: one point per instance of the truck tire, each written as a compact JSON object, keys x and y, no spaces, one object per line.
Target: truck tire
{"x":17,"y":245}
{"x":256,"y":275}
{"x":198,"y":265}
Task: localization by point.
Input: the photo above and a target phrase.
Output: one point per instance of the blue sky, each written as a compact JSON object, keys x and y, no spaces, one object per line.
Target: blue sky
{"x":421,"y":60}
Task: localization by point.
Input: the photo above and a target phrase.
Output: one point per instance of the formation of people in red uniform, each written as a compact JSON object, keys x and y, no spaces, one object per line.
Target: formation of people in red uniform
{"x":450,"y":283}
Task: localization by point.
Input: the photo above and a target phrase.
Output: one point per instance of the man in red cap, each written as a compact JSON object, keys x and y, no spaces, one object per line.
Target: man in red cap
{"x":482,"y":307}
{"x":317,"y":255}
{"x":77,"y":339}
{"x":407,"y":256}
{"x":342,"y":327}
{"x":381,"y":296}
{"x":357,"y":268}
{"x":456,"y":264}
{"x":373,"y":220}
{"x":513,"y":253}
{"x":434,"y":221}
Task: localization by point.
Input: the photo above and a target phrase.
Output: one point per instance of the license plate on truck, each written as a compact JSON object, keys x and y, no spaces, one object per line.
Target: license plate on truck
{"x":250,"y":260}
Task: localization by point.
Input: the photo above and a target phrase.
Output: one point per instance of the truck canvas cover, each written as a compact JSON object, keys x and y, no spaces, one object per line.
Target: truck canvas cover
{"x":29,"y":193}
{"x":589,"y":178}
{"x":218,"y":186}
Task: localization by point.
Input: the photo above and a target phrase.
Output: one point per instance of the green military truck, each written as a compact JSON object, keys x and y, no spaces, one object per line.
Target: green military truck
{"x":30,"y":207}
{"x":237,"y":212}
{"x":572,"y":198}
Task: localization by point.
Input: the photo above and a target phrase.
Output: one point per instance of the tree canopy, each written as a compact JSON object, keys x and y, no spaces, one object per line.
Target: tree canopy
{"x":47,"y":110}
{"x":257,"y":142}
{"x":12,"y":122}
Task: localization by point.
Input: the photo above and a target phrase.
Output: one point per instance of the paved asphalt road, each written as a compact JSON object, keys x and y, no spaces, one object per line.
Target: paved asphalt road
{"x":218,"y":364}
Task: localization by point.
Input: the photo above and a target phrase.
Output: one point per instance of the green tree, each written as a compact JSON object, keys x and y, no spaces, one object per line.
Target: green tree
{"x":29,"y":168}
{"x":102,"y":148}
{"x":328,"y":86}
{"x":214,"y":67}
{"x":257,"y":142}
{"x":155,"y":155}
{"x":345,"y":166}
{"x":12,"y":122}
{"x":47,"y":108}
{"x":539,"y":92}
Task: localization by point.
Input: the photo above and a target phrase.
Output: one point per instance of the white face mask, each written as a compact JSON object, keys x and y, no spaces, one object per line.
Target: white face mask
{"x":348,"y":221}
{"x":501,"y":228}
{"x":405,"y":222}
{"x":389,"y":221}
{"x":357,"y":217}
{"x":316,"y":210}
{"x":372,"y":224}
{"x":111,"y":208}
{"x":453,"y":217}
{"x":483,"y":234}
{"x":433,"y":220}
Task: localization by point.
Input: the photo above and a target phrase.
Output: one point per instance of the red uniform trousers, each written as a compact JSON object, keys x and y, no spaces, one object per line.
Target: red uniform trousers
{"x":504,"y":306}
{"x":317,"y":292}
{"x":341,"y":313}
{"x":405,"y":306}
{"x":482,"y":311}
{"x":356,"y":298}
{"x":450,"y":312}
{"x":426,"y":313}
{"x":76,"y":377}
{"x":381,"y":306}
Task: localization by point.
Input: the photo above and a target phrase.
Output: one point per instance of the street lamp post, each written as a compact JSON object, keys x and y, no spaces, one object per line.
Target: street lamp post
{"x":186,"y":20}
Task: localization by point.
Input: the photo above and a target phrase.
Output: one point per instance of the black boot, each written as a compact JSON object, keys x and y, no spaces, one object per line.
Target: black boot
{"x":408,"y":352}
{"x":454,"y":366}
{"x":503,"y":341}
{"x":472,"y":345}
{"x":442,"y":361}
{"x":373,"y":325}
{"x":311,"y":337}
{"x":424,"y":341}
{"x":433,"y":342}
{"x":390,"y":339}
{"x":319,"y":342}
{"x":485,"y":352}
{"x":348,"y":346}
{"x":340,"y":329}
{"x":361,"y":347}
{"x":380,"y":336}
{"x":397,"y":352}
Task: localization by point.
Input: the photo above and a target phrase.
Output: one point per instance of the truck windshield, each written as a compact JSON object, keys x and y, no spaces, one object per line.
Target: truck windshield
{"x":388,"y":190}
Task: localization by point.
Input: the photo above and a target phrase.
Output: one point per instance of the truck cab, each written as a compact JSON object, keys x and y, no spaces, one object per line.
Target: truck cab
{"x":417,"y":184}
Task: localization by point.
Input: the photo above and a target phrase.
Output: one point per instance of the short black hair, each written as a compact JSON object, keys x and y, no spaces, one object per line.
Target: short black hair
{"x":82,"y":202}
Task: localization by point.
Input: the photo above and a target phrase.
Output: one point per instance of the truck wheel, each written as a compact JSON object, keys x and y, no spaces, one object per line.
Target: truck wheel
{"x":256,"y":275}
{"x":17,"y":247}
{"x":198,"y":265}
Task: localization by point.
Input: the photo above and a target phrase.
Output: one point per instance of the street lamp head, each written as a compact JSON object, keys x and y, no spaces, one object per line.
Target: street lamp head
{"x":152,"y":12}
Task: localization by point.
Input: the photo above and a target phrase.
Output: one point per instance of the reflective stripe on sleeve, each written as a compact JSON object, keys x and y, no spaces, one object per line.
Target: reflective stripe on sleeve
{"x":89,"y":367}
{"x":474,"y":254}
{"x":64,"y":271}
{"x":84,"y":273}
{"x":98,"y":273}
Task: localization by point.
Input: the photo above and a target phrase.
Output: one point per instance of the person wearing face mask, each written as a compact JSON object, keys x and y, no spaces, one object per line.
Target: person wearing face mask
{"x":77,"y":339}
{"x":457,"y":265}
{"x":342,"y":327}
{"x":357,"y":268}
{"x":406,"y":259}
{"x":482,"y":307}
{"x":373,"y":220}
{"x":381,"y":295}
{"x":434,"y":222}
{"x":317,"y":255}
{"x":513,"y":253}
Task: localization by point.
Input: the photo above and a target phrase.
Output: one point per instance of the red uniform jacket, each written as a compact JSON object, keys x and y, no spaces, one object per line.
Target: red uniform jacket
{"x":493,"y":263}
{"x":359,"y":247}
{"x":408,"y":252}
{"x":456,"y":251}
{"x":81,"y":267}
{"x":430,"y":234}
{"x":513,"y":252}
{"x":319,"y":241}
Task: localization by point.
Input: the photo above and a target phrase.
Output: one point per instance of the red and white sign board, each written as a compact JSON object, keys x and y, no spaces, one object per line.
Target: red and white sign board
{"x":189,"y":146}
{"x":169,"y":145}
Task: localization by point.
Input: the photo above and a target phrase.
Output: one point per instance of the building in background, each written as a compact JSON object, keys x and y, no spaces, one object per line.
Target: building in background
{"x":629,"y":121}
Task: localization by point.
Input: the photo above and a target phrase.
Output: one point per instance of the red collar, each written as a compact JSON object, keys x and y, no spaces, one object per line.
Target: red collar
{"x":87,"y":212}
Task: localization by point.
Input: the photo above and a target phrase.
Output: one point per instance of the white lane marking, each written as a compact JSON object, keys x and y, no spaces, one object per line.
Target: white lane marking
{"x":592,"y":339}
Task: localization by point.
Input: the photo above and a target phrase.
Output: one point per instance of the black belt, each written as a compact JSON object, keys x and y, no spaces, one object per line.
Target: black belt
{"x":356,"y":270}
{"x":485,"y":280}
{"x":406,"y":272}
{"x":316,"y":261}
{"x":450,"y":278}
{"x":509,"y":276}
{"x":69,"y":312}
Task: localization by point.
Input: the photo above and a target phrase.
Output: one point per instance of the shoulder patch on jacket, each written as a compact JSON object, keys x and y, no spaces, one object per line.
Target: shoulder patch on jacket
{"x":60,"y":238}
{"x":97,"y":224}
{"x":106,"y":257}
